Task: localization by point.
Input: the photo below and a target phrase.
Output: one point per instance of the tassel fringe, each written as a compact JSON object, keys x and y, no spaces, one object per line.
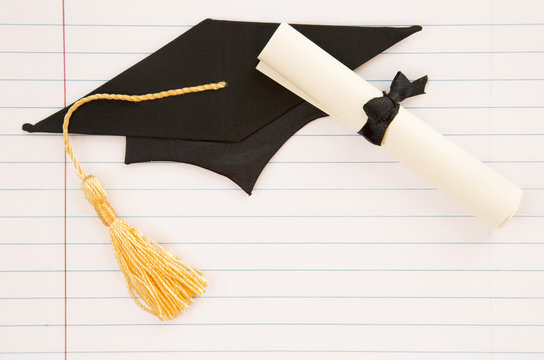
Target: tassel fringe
{"x":159,"y":282}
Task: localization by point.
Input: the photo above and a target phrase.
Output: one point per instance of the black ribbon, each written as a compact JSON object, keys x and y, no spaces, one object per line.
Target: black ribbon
{"x":382,"y":110}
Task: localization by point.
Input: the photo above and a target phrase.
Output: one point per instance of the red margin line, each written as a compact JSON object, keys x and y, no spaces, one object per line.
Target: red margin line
{"x":65,"y":263}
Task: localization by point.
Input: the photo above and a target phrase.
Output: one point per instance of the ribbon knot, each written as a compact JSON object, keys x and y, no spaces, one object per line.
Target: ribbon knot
{"x":382,"y":110}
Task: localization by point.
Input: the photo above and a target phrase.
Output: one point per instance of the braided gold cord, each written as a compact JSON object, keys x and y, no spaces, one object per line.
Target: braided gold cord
{"x":159,"y":282}
{"x":122,"y":97}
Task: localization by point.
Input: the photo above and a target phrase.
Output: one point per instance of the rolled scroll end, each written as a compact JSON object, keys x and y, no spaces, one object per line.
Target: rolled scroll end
{"x":516,"y":201}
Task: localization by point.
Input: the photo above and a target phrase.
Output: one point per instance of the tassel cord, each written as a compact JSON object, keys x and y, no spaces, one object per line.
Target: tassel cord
{"x":159,"y":282}
{"x":132,"y":98}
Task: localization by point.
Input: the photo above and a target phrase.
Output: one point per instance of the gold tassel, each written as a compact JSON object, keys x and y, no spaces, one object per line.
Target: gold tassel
{"x":159,"y":282}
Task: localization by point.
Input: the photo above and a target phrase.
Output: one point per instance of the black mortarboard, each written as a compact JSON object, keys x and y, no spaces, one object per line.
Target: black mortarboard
{"x":233,"y":132}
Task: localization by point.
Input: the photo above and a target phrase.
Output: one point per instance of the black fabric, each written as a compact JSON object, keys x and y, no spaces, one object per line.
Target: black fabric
{"x":233,"y":131}
{"x":382,"y":110}
{"x":241,"y":162}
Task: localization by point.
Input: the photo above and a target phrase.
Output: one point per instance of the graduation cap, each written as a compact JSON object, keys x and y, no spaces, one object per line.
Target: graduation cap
{"x":233,"y":131}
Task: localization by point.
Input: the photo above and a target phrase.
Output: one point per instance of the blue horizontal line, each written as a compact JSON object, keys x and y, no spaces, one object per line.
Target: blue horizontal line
{"x":96,"y":25}
{"x":53,"y":80}
{"x":31,"y":107}
{"x":369,"y":80}
{"x":282,"y":270}
{"x":475,"y":107}
{"x":271,"y":351}
{"x":284,"y":243}
{"x":252,"y":216}
{"x":280,"y":162}
{"x":494,"y":134}
{"x":61,"y":162}
{"x":407,"y":107}
{"x":191,"y":25}
{"x":291,"y":297}
{"x":257,"y":216}
{"x":389,"y":162}
{"x":234,"y":189}
{"x":240,"y":190}
{"x":243,"y":216}
{"x":313,"y":135}
{"x":460,"y":52}
{"x":77,"y":52}
{"x":277,"y":324}
{"x":356,"y":135}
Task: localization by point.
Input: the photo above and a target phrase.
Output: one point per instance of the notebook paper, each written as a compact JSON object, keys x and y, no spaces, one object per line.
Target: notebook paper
{"x":340,"y":252}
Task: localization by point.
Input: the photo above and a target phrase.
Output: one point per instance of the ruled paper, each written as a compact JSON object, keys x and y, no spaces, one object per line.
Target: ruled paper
{"x":340,"y":253}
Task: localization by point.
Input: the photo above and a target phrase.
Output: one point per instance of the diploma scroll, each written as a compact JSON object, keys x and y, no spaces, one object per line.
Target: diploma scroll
{"x":308,"y":71}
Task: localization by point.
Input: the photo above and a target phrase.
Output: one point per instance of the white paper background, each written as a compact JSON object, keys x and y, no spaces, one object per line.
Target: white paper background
{"x":341,"y":253}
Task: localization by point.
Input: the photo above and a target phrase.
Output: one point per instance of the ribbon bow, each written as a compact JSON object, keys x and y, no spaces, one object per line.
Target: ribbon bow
{"x":382,"y":110}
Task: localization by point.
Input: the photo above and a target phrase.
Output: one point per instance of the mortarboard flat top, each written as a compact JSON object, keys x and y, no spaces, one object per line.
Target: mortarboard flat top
{"x":233,"y":132}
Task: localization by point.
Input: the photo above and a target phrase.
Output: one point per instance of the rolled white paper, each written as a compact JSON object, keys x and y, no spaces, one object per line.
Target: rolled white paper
{"x":308,"y":71}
